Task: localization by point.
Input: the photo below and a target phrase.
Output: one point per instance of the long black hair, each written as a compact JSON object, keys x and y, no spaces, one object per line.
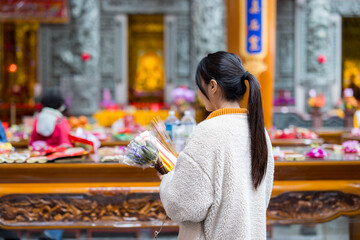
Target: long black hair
{"x":228,"y":71}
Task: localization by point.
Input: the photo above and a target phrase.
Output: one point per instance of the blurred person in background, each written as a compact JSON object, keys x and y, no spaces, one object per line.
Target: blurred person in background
{"x":50,"y":125}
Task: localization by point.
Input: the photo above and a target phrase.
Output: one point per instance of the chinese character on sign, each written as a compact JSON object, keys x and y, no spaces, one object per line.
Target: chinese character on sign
{"x":254,"y":43}
{"x":255,"y":9}
{"x":254,"y":14}
{"x":254,"y":25}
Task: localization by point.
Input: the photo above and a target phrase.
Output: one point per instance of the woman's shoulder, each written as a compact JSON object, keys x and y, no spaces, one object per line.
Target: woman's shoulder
{"x":207,"y":132}
{"x":204,"y":129}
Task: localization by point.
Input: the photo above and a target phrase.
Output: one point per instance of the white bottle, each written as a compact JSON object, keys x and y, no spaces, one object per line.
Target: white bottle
{"x":178,"y":134}
{"x":170,"y":122}
{"x":189,"y":124}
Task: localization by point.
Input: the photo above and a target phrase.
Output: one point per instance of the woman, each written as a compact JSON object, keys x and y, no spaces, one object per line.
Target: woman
{"x":221,"y":185}
{"x":50,"y":125}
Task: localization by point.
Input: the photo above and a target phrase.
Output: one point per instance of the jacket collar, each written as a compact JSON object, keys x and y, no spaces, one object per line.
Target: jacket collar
{"x":224,"y":111}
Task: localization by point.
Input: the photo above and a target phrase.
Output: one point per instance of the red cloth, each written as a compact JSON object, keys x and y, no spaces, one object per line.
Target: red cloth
{"x":58,"y":137}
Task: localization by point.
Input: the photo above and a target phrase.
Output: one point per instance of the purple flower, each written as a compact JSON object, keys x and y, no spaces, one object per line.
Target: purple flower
{"x":136,"y":154}
{"x":189,"y":95}
{"x":350,"y":146}
{"x":317,"y":153}
{"x":183,"y":93}
{"x":355,"y":132}
{"x":348,"y":92}
{"x":177,"y":93}
{"x":39,"y":145}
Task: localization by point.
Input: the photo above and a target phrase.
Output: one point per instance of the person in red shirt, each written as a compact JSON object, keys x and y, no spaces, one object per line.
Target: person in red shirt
{"x":50,"y":125}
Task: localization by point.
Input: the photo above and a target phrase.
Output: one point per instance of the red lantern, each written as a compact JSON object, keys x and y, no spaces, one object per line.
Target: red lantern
{"x":85,"y":56}
{"x":321,"y":59}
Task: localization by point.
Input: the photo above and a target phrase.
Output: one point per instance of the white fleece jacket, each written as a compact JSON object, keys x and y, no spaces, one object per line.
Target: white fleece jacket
{"x":210,"y":192}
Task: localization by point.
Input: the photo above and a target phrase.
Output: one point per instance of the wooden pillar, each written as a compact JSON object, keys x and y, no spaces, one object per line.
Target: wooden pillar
{"x":262,"y":64}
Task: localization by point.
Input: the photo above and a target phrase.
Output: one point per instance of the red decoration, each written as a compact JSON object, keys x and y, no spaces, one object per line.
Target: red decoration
{"x":12,"y":68}
{"x":321,"y":59}
{"x":42,"y":11}
{"x":155,"y":107}
{"x":85,"y":56}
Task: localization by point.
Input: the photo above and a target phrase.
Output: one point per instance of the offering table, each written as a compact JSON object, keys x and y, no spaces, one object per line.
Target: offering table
{"x":112,"y":195}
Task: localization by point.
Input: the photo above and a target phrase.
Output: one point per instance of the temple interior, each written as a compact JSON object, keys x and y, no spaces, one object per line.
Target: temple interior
{"x":112,"y":70}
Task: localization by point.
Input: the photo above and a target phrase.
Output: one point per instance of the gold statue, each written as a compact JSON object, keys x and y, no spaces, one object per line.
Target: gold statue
{"x":149,"y":72}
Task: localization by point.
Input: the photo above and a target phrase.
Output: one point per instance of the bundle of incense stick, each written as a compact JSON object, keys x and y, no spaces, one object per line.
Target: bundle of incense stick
{"x":158,"y":128}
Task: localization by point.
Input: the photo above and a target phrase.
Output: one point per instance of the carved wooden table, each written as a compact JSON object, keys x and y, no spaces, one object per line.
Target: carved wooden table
{"x":111,"y":195}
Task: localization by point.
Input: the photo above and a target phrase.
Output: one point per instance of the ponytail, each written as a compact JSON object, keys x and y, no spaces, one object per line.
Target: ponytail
{"x":259,"y":150}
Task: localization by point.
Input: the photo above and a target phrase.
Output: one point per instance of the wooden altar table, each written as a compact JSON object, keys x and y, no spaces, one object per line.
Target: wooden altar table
{"x":111,"y":195}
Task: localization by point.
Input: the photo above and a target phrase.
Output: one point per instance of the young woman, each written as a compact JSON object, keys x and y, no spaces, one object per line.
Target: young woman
{"x":221,"y":185}
{"x":50,"y":125}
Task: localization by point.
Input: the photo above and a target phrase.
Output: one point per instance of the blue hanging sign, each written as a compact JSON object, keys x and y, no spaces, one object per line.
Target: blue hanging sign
{"x":253,"y":39}
{"x":254,"y":22}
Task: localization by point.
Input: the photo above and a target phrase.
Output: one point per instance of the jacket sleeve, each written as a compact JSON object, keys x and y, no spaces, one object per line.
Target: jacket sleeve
{"x":186,"y":192}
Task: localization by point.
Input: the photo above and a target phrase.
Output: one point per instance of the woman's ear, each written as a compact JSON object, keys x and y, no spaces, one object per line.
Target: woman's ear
{"x":213,"y":86}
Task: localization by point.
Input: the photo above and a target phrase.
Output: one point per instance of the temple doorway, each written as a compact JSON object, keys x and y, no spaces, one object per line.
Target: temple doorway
{"x":146,"y":58}
{"x":350,"y":54}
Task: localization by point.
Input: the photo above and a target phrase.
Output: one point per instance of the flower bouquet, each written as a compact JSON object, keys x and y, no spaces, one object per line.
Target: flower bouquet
{"x":149,"y":149}
{"x":350,"y":101}
{"x":152,"y":149}
{"x":316,"y":100}
{"x":143,"y":152}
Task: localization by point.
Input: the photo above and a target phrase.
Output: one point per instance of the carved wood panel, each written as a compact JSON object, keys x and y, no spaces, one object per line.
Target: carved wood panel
{"x":118,"y":208}
{"x":302,"y":207}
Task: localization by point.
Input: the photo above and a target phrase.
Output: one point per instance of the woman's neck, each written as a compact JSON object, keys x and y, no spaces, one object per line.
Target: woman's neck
{"x":227,"y":105}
